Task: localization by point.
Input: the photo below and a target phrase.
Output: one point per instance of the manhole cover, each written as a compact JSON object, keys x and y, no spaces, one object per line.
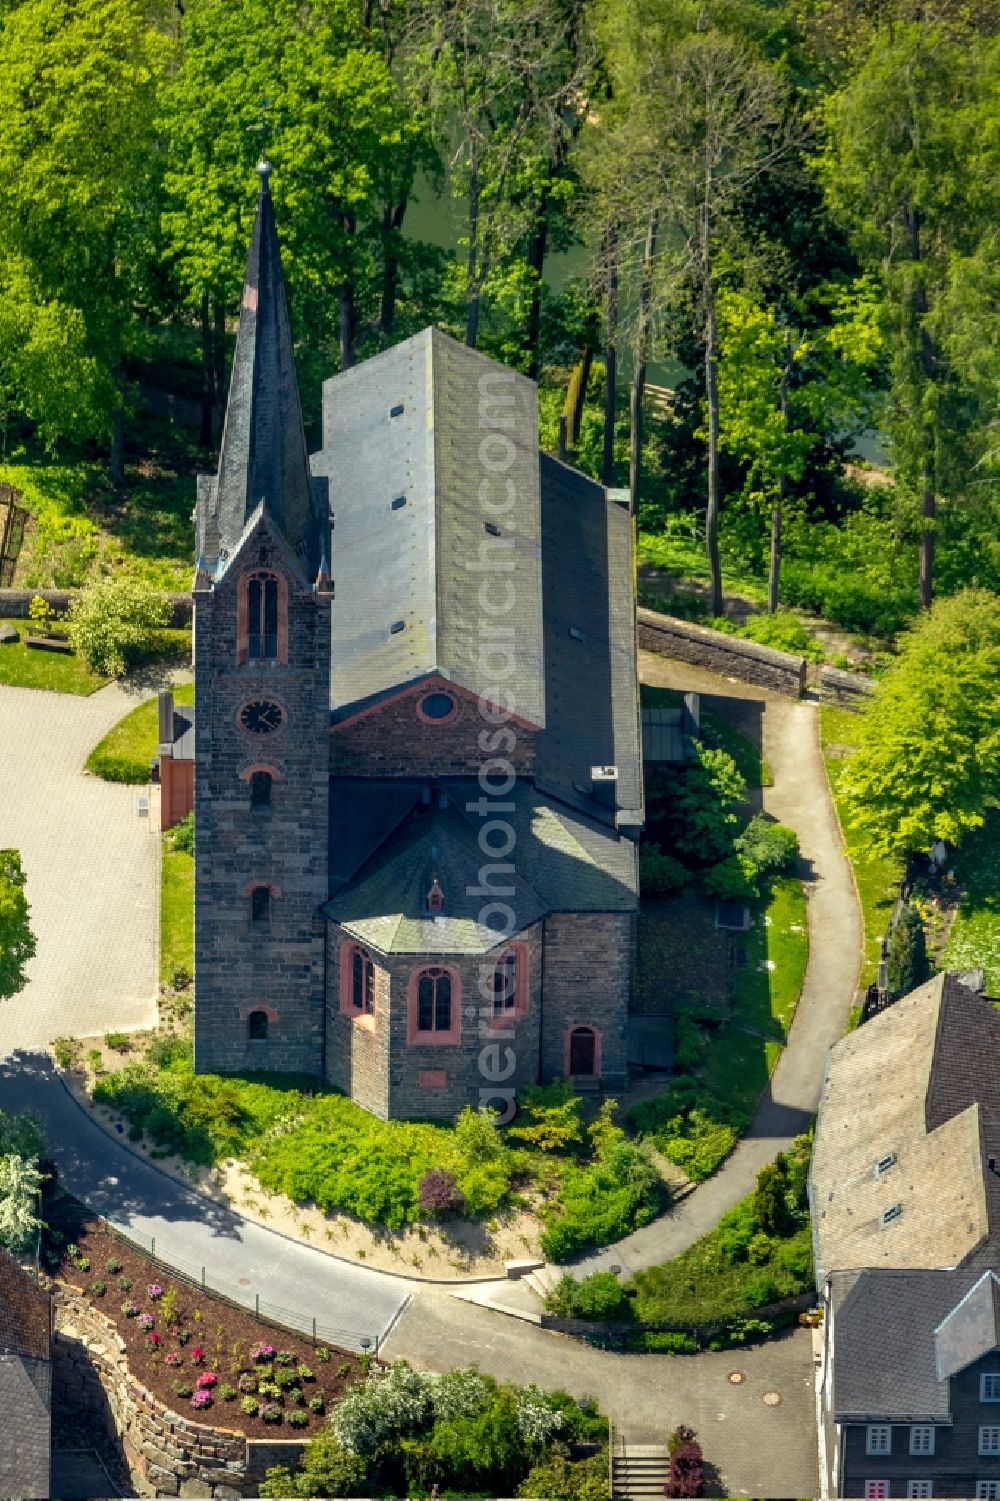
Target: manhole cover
{"x":772,"y":1399}
{"x":737,"y":1378}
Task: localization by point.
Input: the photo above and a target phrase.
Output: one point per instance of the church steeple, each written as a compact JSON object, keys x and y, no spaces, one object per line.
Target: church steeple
{"x":263,"y":457}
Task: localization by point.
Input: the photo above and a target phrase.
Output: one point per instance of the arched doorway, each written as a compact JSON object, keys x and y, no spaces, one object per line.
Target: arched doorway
{"x":583,"y":1051}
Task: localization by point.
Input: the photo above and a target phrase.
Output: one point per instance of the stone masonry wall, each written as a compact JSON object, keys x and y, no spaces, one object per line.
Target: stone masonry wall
{"x":371,"y":1059}
{"x":280,"y":967}
{"x":729,"y":655}
{"x":391,"y":740}
{"x":588,"y":979}
{"x":166,"y":1454}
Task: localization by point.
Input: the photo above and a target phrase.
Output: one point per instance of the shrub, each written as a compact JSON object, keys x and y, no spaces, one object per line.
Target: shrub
{"x":785,"y":632}
{"x":689,"y":1044}
{"x":770,"y":847}
{"x":315,"y":1404}
{"x":271,"y":1413}
{"x":389,"y":1404}
{"x":118,"y":1042}
{"x":66,"y":1051}
{"x":94,"y":1060}
{"x":97,"y":1289}
{"x":227,"y":1392}
{"x":183,"y":1388}
{"x":439,"y":1194}
{"x":692,"y":807}
{"x":327,"y":1470}
{"x":113,"y":1267}
{"x":768,"y":1206}
{"x":687,"y":1469}
{"x":563,"y":1479}
{"x":660,"y":875}
{"x":182,"y":835}
{"x":249,"y":1406}
{"x":305,"y":1374}
{"x":247,"y":1383}
{"x":667,"y":1342}
{"x":40,"y":611}
{"x":732,"y":880}
{"x":285,"y":1358}
{"x":602,"y":1202}
{"x":298,"y":1419}
{"x":907,"y":965}
{"x":599,"y":1296}
{"x":114,"y":622}
{"x":285,"y":1379}
{"x":125,"y":1283}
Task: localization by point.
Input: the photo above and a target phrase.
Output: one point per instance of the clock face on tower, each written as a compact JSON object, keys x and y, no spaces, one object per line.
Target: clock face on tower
{"x":261,"y":717}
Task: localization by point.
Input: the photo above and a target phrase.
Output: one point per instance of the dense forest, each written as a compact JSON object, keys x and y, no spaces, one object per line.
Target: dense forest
{"x":727,"y":237}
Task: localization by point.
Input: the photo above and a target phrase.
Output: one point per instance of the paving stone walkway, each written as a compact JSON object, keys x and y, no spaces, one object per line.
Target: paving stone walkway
{"x":92,"y":866}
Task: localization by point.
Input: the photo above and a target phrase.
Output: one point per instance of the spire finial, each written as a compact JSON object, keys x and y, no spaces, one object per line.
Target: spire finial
{"x":263,"y":128}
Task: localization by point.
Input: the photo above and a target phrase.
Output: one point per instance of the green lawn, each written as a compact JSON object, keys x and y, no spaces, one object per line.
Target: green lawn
{"x":176,"y":913}
{"x":767,"y":990}
{"x":975,"y":936}
{"x":125,"y":753}
{"x":877,"y":878}
{"x":682,"y":556}
{"x":21,"y":668}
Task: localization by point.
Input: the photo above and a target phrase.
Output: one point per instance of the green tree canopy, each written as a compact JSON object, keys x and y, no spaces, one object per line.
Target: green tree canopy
{"x":929,"y":761}
{"x":17,"y":942}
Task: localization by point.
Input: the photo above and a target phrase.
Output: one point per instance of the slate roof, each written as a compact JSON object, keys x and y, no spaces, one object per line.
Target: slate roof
{"x":917,"y":1081}
{"x":887,"y":1336}
{"x":422,"y":562}
{"x":562,"y":862}
{"x":971,"y":1330}
{"x":24,"y":1312}
{"x":263,"y":454}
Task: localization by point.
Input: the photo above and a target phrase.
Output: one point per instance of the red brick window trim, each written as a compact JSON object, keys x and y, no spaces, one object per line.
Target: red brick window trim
{"x":581,"y":1044}
{"x":258,"y":1020}
{"x":249,"y":771}
{"x":434,"y":1006}
{"x":262,"y":617}
{"x":432,"y":1078}
{"x":506,"y":985}
{"x":358,"y":988}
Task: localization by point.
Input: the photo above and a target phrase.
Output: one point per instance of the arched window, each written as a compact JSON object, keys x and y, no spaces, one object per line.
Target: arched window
{"x":505,"y":979}
{"x":583,"y":1052}
{"x":262,"y":616}
{"x":257,"y":1026}
{"x":434,"y":1001}
{"x":260,"y":907}
{"x":362,"y":982}
{"x":260,"y":789}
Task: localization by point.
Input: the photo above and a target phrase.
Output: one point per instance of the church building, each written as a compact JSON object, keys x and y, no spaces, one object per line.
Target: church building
{"x":418,"y":778}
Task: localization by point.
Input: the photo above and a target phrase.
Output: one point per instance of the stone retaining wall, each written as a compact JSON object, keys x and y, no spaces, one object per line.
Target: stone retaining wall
{"x":166,"y":1454}
{"x":849,"y":689}
{"x":731,"y":656}
{"x":14,"y":603}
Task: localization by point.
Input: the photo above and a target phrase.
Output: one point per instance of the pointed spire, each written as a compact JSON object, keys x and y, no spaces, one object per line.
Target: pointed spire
{"x":263,"y":455}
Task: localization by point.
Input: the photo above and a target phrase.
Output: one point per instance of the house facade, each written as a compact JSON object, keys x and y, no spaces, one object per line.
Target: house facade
{"x":910,"y":1384}
{"x":417,"y":769}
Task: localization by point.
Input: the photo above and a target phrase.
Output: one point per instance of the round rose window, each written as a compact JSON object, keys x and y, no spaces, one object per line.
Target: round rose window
{"x":437,"y":706}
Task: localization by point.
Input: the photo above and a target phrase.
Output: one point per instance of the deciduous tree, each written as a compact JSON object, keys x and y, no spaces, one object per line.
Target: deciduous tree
{"x":17,"y":942}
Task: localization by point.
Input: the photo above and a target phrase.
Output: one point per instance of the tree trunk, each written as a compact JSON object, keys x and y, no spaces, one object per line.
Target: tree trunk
{"x":774,"y":576}
{"x":392,"y":224}
{"x":610,"y":359}
{"x":638,"y":389}
{"x":207,"y":431}
{"x":219,"y":351}
{"x":535,"y":258}
{"x":472,"y":263}
{"x":714,"y":476}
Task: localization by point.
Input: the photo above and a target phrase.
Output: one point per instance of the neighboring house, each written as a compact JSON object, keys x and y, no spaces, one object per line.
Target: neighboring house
{"x":418,"y":776}
{"x":910,"y":1384}
{"x":175,"y":760}
{"x":905,"y":1165}
{"x":25,"y":1382}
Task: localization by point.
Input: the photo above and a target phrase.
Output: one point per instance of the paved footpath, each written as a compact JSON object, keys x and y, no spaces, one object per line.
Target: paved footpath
{"x":800,"y":797}
{"x":92,"y":867}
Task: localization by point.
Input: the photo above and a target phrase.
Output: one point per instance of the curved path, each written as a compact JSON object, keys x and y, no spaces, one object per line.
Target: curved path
{"x":92,"y":865}
{"x":800,"y":797}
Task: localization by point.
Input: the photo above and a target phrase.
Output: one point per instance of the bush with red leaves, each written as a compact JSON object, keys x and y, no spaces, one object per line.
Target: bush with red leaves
{"x":687,"y":1467}
{"x":440,"y":1194}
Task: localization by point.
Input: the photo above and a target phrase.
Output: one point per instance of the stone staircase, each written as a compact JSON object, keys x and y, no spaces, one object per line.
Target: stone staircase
{"x":638,"y":1470}
{"x":543,"y":1279}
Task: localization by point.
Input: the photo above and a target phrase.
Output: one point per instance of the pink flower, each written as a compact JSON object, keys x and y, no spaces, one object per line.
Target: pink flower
{"x":155,"y":1290}
{"x":201,"y":1399}
{"x":197,"y":1354}
{"x":262,"y":1351}
{"x":207,"y":1379}
{"x":173,"y":1359}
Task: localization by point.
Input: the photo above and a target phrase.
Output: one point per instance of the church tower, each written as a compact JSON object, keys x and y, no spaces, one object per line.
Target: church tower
{"x":262,"y":668}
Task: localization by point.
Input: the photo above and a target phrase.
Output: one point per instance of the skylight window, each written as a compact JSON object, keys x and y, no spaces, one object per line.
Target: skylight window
{"x":890,"y":1214}
{"x":885,"y":1163}
{"x":492,"y":528}
{"x":576,"y":633}
{"x":398,"y":502}
{"x":396,"y":627}
{"x":397,"y":410}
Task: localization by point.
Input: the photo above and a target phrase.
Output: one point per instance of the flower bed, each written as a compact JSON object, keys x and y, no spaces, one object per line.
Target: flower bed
{"x":201,"y":1356}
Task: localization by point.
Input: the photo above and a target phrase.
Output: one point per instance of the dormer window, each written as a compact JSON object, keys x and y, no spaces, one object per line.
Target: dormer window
{"x":435,"y":897}
{"x":888,"y":1215}
{"x":885,"y":1163}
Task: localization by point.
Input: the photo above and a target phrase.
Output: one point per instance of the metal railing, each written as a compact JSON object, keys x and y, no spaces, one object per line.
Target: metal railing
{"x":198,"y":1276}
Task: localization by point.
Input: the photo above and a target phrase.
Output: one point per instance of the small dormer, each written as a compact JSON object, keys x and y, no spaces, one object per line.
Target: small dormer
{"x":434,"y":899}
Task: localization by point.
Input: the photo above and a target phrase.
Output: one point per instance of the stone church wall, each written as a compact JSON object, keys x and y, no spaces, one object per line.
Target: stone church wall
{"x":588,"y":978}
{"x":391,"y":740}
{"x":279,"y":969}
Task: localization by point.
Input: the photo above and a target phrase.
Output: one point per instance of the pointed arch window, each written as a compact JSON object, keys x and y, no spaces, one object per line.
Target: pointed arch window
{"x":435,"y":1005}
{"x":505,"y":986}
{"x":362,"y":982}
{"x":262,"y":626}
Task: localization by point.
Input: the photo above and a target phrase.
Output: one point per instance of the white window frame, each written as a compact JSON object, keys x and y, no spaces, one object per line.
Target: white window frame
{"x":989,"y":1386}
{"x":878,"y":1438}
{"x":875,"y":1490}
{"x":989,"y":1440}
{"x":921,"y":1448}
{"x":988,"y":1490}
{"x":920,"y":1487}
